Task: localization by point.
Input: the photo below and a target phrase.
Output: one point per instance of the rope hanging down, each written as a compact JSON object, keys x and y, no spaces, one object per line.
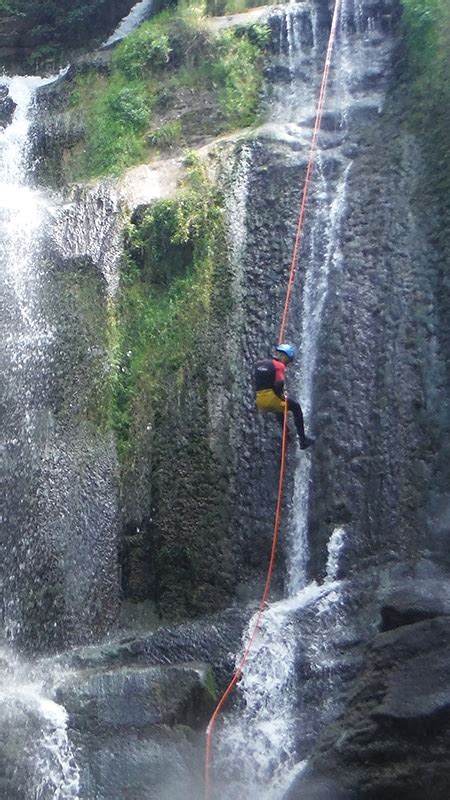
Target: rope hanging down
{"x":293,"y":267}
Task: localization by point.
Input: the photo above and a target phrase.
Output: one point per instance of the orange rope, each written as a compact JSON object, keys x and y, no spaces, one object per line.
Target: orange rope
{"x":298,"y":235}
{"x":262,"y":604}
{"x":309,"y":170}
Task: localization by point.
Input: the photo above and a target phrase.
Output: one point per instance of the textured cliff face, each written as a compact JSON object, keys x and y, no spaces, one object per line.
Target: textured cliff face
{"x":382,"y":365}
{"x":380,"y":469}
{"x":207,"y":534}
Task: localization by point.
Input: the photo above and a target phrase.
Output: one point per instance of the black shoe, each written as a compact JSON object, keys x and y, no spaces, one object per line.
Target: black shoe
{"x":306,"y":442}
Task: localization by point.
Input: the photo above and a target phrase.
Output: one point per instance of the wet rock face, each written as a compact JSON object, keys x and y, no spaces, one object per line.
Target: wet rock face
{"x":381,"y":363}
{"x":138,"y":707}
{"x":7,"y":107}
{"x":213,"y":639}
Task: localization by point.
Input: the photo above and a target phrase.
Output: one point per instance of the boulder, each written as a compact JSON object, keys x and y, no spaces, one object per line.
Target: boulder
{"x":212,"y":640}
{"x":136,"y":729}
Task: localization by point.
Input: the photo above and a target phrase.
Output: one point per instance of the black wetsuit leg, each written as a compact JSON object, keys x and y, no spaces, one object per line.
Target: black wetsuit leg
{"x":297,"y":413}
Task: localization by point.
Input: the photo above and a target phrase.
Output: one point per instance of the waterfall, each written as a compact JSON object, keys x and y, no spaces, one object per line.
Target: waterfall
{"x":139,"y":13}
{"x":265,"y":742}
{"x":26,"y":335}
{"x":45,"y":768}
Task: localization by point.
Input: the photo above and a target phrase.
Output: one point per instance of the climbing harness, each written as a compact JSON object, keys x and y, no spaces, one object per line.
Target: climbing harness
{"x":293,"y":268}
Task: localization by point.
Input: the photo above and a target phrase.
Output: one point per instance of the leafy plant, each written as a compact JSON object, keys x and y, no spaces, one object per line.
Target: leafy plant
{"x":238,"y":74}
{"x":147,"y":49}
{"x":167,"y":135}
{"x":221,"y":7}
{"x":427,"y":34}
{"x":131,"y":107}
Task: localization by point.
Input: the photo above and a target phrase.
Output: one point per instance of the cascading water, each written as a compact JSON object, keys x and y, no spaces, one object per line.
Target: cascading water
{"x":35,"y":726}
{"x":37,"y":740}
{"x":291,"y":684}
{"x":261,"y":747}
{"x":26,"y":336}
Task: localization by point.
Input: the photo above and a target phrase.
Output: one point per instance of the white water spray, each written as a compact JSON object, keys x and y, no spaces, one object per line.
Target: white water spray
{"x":46,"y":768}
{"x":21,"y":208}
{"x":263,"y":730}
{"x":45,"y":753}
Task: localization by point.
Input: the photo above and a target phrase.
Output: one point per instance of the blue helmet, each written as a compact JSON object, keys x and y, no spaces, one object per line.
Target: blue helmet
{"x":286,"y":348}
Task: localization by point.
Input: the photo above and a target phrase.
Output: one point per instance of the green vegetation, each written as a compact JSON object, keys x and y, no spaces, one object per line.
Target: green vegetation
{"x":427,"y":35}
{"x":167,"y":135}
{"x":128,"y":112}
{"x":174,"y":252}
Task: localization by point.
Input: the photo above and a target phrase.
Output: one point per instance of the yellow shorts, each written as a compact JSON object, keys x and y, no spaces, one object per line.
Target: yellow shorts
{"x":267,"y":400}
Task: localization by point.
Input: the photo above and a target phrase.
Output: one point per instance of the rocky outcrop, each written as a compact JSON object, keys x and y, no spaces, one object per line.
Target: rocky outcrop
{"x":393,"y":737}
{"x":213,"y":640}
{"x":138,"y":706}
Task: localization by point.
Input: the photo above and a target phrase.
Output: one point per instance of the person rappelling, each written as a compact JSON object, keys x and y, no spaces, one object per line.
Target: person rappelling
{"x":271,"y":395}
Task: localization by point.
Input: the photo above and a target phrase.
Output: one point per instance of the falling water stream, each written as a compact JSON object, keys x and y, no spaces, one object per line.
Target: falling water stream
{"x":34,"y":723}
{"x":138,"y":14}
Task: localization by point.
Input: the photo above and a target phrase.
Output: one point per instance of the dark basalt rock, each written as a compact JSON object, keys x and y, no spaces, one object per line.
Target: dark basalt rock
{"x":7,"y":107}
{"x":416,"y":602}
{"x":138,"y":697}
{"x":392,"y":739}
{"x":212,"y":639}
{"x":140,"y":704}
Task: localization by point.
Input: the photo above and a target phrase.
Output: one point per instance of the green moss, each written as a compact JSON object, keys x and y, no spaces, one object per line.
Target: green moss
{"x":236,"y":75}
{"x":174,"y":51}
{"x":167,"y":296}
{"x":116,"y":112}
{"x":427,"y":37}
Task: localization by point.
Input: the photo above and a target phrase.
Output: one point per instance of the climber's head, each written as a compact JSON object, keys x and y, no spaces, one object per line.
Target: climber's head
{"x":285,"y":352}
